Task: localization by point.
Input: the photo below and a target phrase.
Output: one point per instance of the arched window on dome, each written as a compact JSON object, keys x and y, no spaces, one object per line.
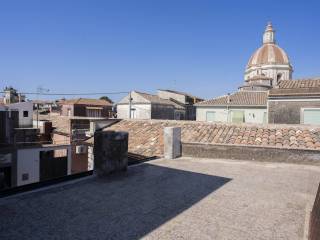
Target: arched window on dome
{"x":279,"y":76}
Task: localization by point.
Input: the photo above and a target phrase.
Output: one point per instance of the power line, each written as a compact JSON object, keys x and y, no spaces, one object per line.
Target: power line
{"x":71,"y":94}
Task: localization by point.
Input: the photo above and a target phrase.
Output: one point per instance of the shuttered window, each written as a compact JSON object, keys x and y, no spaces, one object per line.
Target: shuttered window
{"x":210,"y":116}
{"x":237,"y":116}
{"x":311,"y":116}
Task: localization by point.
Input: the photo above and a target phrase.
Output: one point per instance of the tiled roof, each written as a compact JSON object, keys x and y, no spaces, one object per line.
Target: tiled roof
{"x":146,"y":136}
{"x":301,"y":87}
{"x":181,"y":93}
{"x":301,"y":83}
{"x":241,"y":98}
{"x":86,"y":101}
{"x":155,"y":99}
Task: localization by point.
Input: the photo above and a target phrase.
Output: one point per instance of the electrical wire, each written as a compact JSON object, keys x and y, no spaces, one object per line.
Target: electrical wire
{"x":70,"y":94}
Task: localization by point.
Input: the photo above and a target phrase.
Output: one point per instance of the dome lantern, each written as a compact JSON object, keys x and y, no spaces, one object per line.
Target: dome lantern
{"x":268,"y":36}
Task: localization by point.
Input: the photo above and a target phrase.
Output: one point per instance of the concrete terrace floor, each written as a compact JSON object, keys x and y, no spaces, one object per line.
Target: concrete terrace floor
{"x":179,"y":199}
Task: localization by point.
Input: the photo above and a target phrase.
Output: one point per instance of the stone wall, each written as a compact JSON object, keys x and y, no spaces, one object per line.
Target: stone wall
{"x":288,"y":112}
{"x":110,"y":152}
{"x":251,"y":153}
{"x":161,"y":111}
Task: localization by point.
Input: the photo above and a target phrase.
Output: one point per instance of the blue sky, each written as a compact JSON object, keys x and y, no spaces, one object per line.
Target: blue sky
{"x":198,"y":46}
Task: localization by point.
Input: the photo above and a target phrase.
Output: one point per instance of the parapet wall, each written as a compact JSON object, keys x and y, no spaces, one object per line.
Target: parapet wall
{"x":251,"y":153}
{"x":146,"y":136}
{"x":314,"y":228}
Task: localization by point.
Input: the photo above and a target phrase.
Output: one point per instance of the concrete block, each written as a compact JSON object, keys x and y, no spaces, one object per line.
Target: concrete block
{"x":110,"y":152}
{"x":172,"y":142}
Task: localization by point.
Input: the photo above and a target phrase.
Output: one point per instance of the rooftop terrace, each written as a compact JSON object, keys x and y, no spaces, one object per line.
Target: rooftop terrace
{"x":185,"y":198}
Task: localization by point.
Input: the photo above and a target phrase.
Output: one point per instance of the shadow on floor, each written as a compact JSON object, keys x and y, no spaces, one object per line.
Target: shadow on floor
{"x":127,"y":206}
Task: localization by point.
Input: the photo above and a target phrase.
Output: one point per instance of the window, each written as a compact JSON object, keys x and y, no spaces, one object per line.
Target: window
{"x":237,"y":116}
{"x":210,"y":116}
{"x":265,"y":117}
{"x":311,"y":116}
{"x":279,"y":76}
{"x":25,"y":113}
{"x":95,"y":112}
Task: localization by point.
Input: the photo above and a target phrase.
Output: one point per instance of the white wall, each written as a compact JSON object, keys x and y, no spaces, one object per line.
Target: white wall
{"x":21,"y":107}
{"x":252,"y":115}
{"x":221,"y":114}
{"x":139,"y":111}
{"x":141,"y":107}
{"x":28,"y":162}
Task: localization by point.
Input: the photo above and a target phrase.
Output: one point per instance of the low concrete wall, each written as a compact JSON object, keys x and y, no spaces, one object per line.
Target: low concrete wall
{"x":314,"y":227}
{"x":252,"y":153}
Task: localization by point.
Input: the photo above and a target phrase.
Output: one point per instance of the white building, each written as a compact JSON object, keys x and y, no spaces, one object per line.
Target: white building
{"x":25,"y":113}
{"x":148,"y":106}
{"x":267,"y":66}
{"x":239,"y":107}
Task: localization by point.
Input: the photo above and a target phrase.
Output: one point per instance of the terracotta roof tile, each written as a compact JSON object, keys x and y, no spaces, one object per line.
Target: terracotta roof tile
{"x":301,"y":87}
{"x":241,"y":98}
{"x":300,"y":83}
{"x":182,"y":93}
{"x":86,"y":101}
{"x":146,"y":136}
{"x":156,"y":99}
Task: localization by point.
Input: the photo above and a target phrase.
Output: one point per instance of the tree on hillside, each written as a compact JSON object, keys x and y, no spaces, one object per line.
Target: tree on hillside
{"x":106,"y":98}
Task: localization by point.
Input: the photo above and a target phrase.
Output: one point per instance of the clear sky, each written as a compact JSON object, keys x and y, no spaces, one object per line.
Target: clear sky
{"x":197,"y":46}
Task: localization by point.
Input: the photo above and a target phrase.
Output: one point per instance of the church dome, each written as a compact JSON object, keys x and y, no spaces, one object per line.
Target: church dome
{"x":269,"y":53}
{"x":268,"y":65}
